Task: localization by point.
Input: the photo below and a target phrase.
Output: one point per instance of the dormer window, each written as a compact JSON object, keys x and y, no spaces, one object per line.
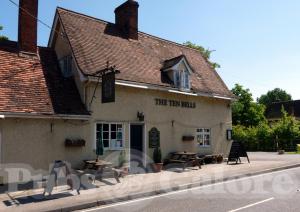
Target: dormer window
{"x":66,"y":66}
{"x":178,"y":71}
{"x":181,"y":79}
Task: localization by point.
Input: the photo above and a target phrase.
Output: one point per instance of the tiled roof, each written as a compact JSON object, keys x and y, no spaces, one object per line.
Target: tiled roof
{"x":32,"y":85}
{"x":170,"y":63}
{"x":94,"y":42}
{"x":291,"y":107}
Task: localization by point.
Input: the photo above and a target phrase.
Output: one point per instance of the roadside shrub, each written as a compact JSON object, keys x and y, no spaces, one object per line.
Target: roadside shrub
{"x":283,"y":135}
{"x":286,"y":132}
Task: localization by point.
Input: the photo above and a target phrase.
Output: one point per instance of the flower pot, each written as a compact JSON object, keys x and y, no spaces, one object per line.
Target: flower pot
{"x":219,"y":158}
{"x":187,"y":138}
{"x":125,"y":168}
{"x":157,"y":167}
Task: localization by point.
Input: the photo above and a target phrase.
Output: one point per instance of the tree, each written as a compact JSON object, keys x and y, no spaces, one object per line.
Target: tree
{"x":206,"y":53}
{"x":275,"y":95}
{"x":286,"y":131}
{"x":244,"y":111}
{"x":1,"y":36}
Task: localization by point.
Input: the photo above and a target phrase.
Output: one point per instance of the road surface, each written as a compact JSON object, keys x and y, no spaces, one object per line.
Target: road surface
{"x":276,"y":191}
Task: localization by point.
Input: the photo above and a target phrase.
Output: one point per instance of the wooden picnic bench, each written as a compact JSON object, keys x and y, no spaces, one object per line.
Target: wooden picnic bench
{"x":184,"y":158}
{"x":99,"y":166}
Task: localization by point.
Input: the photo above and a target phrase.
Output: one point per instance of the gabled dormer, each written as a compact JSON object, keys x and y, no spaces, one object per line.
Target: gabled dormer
{"x":178,"y":71}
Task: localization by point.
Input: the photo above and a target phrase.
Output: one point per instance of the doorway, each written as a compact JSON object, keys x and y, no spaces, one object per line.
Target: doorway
{"x":137,"y":155}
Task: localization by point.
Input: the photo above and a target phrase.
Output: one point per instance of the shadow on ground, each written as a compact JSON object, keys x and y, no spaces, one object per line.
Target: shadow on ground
{"x":34,"y":199}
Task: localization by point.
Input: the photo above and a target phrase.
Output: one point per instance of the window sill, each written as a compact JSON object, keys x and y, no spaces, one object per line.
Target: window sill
{"x":206,"y":147}
{"x":114,"y":149}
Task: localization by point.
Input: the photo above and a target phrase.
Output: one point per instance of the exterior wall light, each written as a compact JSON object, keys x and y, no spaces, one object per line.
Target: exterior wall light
{"x":141,"y":116}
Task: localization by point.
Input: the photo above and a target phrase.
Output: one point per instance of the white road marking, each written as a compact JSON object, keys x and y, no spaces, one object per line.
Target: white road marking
{"x":184,"y":190}
{"x":251,"y":205}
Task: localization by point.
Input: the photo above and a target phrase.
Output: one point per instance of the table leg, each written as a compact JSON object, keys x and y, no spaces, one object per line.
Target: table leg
{"x":100,"y":173}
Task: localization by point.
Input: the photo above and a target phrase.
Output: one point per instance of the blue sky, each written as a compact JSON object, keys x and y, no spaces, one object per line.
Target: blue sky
{"x":257,"y":42}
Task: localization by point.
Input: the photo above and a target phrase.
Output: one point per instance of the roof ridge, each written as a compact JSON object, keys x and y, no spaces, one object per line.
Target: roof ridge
{"x":140,"y":32}
{"x":84,"y":15}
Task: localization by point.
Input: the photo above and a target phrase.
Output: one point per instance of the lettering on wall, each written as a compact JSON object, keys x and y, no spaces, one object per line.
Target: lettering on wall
{"x":175,"y":103}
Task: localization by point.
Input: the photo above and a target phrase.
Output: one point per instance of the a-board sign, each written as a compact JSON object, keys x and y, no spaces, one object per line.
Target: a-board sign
{"x":236,"y":152}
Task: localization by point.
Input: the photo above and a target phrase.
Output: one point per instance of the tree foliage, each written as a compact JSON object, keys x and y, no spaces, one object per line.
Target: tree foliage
{"x":264,"y":137}
{"x":206,"y":53}
{"x":275,"y":95}
{"x":286,"y":131}
{"x":244,"y":111}
{"x":1,"y":36}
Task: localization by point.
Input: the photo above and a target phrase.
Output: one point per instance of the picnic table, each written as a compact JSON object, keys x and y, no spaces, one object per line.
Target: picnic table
{"x":184,"y":158}
{"x":99,"y":166}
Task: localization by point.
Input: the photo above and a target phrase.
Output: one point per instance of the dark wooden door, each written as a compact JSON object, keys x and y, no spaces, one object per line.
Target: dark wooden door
{"x":136,"y":147}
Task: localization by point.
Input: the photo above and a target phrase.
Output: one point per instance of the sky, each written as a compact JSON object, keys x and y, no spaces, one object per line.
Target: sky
{"x":256,"y":42}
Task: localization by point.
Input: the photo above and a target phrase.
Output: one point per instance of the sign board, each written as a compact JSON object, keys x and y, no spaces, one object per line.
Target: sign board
{"x":229,"y":135}
{"x":236,"y":152}
{"x":175,"y":103}
{"x":154,"y":138}
{"x":108,"y":87}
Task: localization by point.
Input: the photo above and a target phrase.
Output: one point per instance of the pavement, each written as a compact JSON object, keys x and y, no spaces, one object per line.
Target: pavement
{"x":249,"y":194}
{"x":145,"y":185}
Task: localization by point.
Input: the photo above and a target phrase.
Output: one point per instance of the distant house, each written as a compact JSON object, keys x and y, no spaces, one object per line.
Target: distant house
{"x":273,"y":112}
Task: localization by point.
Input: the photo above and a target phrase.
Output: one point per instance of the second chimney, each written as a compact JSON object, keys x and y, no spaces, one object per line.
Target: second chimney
{"x":28,"y":13}
{"x":127,"y":19}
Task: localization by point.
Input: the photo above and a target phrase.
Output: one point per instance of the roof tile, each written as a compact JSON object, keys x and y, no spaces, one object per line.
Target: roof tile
{"x":94,"y":42}
{"x":33,"y":85}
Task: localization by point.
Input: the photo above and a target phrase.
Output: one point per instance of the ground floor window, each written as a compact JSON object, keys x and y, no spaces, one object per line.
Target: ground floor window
{"x":111,"y":134}
{"x":203,"y":137}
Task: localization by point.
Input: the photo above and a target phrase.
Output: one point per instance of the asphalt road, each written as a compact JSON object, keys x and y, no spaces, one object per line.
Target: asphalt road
{"x":277,"y":191}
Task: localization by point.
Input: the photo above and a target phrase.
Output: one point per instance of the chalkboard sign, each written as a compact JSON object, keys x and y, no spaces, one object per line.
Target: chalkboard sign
{"x":154,"y":138}
{"x":108,"y":88}
{"x":236,"y":152}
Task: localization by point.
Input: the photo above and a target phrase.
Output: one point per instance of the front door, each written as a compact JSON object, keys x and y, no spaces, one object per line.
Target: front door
{"x":136,"y":148}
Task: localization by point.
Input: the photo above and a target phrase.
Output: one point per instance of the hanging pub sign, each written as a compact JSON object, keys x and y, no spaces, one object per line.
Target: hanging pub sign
{"x":154,"y":138}
{"x":108,"y":87}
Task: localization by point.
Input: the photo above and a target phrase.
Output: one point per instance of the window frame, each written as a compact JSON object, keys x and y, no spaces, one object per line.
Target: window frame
{"x":182,"y":79}
{"x":202,"y":134}
{"x":185,"y":80}
{"x":110,"y":147}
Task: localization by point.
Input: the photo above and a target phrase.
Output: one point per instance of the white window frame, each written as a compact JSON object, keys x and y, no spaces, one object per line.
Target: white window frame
{"x":109,"y":135}
{"x":180,"y":77}
{"x":185,"y":76}
{"x":203,"y":133}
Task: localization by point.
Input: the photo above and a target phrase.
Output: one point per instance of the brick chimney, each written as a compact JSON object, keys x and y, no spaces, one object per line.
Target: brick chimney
{"x":28,"y":26}
{"x":127,"y":19}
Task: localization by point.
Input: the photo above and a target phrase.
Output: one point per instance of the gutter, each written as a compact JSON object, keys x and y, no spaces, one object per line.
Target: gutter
{"x":44,"y":116}
{"x":166,"y":89}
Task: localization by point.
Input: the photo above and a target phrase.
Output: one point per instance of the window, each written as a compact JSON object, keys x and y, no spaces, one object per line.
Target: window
{"x":112,"y":135}
{"x":66,"y":66}
{"x":185,"y":80}
{"x":177,"y":78}
{"x":182,"y":79}
{"x":203,"y":137}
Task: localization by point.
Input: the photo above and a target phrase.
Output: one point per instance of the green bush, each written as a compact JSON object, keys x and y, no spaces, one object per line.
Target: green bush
{"x":298,"y":147}
{"x":280,"y":135}
{"x":157,"y":155}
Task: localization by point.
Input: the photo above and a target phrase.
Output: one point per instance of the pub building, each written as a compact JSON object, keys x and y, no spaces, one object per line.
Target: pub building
{"x":108,"y":81}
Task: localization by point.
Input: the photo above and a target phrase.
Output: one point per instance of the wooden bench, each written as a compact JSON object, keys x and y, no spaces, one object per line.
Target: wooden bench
{"x":184,"y":158}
